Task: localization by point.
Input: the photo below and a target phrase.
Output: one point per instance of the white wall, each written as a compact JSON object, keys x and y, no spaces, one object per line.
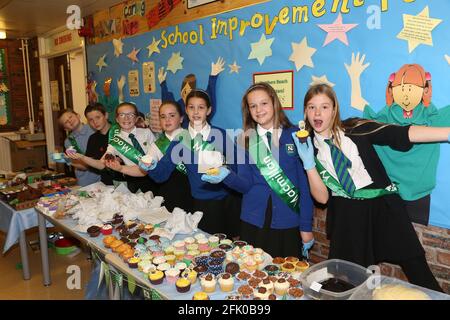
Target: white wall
{"x":78,"y":79}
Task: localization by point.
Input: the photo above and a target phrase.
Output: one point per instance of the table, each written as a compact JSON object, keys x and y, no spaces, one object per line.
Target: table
{"x":14,"y":223}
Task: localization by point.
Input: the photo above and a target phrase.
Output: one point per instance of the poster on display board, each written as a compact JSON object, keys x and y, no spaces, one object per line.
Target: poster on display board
{"x":133,"y":83}
{"x":282,"y":82}
{"x":154,"y":115}
{"x":333,"y":43}
{"x":148,"y":77}
{"x":5,"y":103}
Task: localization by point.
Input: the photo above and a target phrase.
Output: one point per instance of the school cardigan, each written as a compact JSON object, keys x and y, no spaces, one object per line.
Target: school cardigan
{"x":256,"y":191}
{"x":200,"y":190}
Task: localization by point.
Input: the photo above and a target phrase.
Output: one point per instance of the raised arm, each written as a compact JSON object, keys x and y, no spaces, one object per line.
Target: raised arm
{"x":422,"y":134}
{"x":166,"y":95}
{"x":354,"y":70}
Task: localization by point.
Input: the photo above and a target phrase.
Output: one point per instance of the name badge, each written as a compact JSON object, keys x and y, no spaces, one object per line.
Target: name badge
{"x":290,"y":149}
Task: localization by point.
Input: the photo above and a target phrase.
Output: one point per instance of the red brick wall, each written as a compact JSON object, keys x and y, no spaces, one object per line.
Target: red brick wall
{"x":436,"y":242}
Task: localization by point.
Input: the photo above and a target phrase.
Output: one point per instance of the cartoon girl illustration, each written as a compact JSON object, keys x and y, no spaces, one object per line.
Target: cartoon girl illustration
{"x":408,"y":102}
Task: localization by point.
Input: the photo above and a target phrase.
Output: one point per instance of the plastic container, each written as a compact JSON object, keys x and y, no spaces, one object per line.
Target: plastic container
{"x":365,"y":292}
{"x":343,"y":270}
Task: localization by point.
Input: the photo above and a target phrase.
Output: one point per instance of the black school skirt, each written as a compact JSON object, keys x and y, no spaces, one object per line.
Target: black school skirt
{"x":220,"y":216}
{"x":141,"y":183}
{"x":371,"y":231}
{"x":276,"y":242}
{"x":176,"y":192}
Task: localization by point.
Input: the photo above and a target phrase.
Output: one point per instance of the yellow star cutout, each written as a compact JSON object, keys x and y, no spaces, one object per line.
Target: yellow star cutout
{"x":175,"y":62}
{"x":301,"y":54}
{"x":101,"y":62}
{"x":153,"y":47}
{"x":234,"y":67}
{"x":261,"y":49}
{"x":447,"y":57}
{"x":321,"y":80}
{"x":417,"y":29}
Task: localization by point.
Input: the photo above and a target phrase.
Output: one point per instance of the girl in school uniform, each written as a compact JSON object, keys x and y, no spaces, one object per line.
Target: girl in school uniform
{"x":277,"y":207}
{"x":126,"y":144}
{"x":367,"y":221}
{"x":176,"y":191}
{"x":219,"y":206}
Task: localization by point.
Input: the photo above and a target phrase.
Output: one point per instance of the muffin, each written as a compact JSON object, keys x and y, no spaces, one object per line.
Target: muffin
{"x":281,"y":286}
{"x":200,"y":296}
{"x":287,"y":267}
{"x":217,"y":256}
{"x":172,"y":275}
{"x":148,"y":229}
{"x":156,"y":277}
{"x":189,"y":240}
{"x":159,"y":260}
{"x":191,"y":275}
{"x":213,"y":241}
{"x":163,"y":267}
{"x":302,"y":134}
{"x":292,"y":260}
{"x":106,"y":229}
{"x":295,"y":293}
{"x":202,"y":269}
{"x":225,"y":247}
{"x":226,"y":282}
{"x":170,"y":259}
{"x":133,"y":262}
{"x":266,"y":283}
{"x":239,"y":243}
{"x":271,"y":269}
{"x":115,"y":244}
{"x":208,"y":283}
{"x":232,"y":268}
{"x":215,"y":267}
{"x":183,"y":285}
{"x":245,"y":291}
{"x":278,"y":261}
{"x":221,"y":236}
{"x":301,"y":266}
{"x":179,"y":245}
{"x":261,"y":292}
{"x":108,"y":240}
{"x":93,"y":231}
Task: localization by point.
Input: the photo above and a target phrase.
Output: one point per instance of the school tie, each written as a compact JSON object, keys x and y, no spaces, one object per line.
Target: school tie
{"x":341,"y":165}
{"x":197,"y":141}
{"x":269,"y":140}
{"x":136,"y":143}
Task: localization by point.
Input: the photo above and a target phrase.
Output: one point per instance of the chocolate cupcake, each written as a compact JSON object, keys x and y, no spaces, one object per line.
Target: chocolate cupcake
{"x":225,"y":247}
{"x":217,"y":256}
{"x":201,"y":269}
{"x":271,"y":269}
{"x":232,"y":268}
{"x":94,"y":231}
{"x":133,"y":237}
{"x":240,"y":243}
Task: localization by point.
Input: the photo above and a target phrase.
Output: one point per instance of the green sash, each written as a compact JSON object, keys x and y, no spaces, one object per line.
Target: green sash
{"x":163,"y":143}
{"x":122,"y":146}
{"x":273,"y":174}
{"x":185,"y":137}
{"x":74,"y":144}
{"x":360,"y":194}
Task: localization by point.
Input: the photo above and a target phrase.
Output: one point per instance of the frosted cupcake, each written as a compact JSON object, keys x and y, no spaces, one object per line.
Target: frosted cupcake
{"x":199,"y":236}
{"x":178,"y":245}
{"x":192,"y":246}
{"x":208,"y":283}
{"x":172,"y":275}
{"x":169,"y":250}
{"x":261,"y":293}
{"x":281,"y":286}
{"x":189,"y":240}
{"x":163,"y":267}
{"x":159,"y":260}
{"x":179,"y":254}
{"x":226,"y":282}
{"x":170,"y":259}
{"x":266,"y":283}
{"x":191,"y":275}
{"x":213,"y":241}
{"x":180,"y":266}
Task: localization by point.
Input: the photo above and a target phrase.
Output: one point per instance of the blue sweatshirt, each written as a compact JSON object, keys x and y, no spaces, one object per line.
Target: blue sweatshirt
{"x":256,"y":191}
{"x":199,"y":189}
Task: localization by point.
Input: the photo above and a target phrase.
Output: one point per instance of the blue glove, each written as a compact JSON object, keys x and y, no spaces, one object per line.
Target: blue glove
{"x":149,"y":167}
{"x":59,"y":158}
{"x":305,"y":152}
{"x":215,"y":179}
{"x":306,"y":247}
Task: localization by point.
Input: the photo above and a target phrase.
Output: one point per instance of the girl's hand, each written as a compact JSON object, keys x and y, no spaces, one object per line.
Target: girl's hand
{"x":217,"y":67}
{"x":149,"y":167}
{"x":74,"y":155}
{"x":305,"y":152}
{"x":114,"y":165}
{"x":218,"y":178}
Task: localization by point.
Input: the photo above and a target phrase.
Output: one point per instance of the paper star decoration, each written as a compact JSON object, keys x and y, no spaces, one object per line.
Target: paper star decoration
{"x":417,"y":29}
{"x":234,"y":67}
{"x":118,"y":45}
{"x":261,"y":49}
{"x":447,"y":57}
{"x":301,"y":54}
{"x":175,"y":62}
{"x":321,"y":80}
{"x":133,"y":55}
{"x":337,"y":30}
{"x":153,"y":47}
{"x":101,"y":62}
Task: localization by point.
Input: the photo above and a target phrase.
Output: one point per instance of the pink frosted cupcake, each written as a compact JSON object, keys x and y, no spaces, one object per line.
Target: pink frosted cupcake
{"x":172,"y":275}
{"x":158,"y":253}
{"x":178,"y":245}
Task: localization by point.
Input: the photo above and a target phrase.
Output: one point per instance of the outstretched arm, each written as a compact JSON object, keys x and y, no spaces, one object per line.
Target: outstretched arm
{"x":354,"y":70}
{"x":216,"y":68}
{"x":166,"y":95}
{"x":419,"y":134}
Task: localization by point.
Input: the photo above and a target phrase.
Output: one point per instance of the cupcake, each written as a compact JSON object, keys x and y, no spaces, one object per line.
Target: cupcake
{"x":213,"y":241}
{"x":163,"y":267}
{"x":145,"y":265}
{"x":148,"y":229}
{"x":127,"y":254}
{"x":189,"y":240}
{"x":156,"y":277}
{"x":179,"y":254}
{"x":200,"y":296}
{"x":217,"y":255}
{"x":192,"y":247}
{"x":266,"y":283}
{"x":201,"y":260}
{"x":108,"y":240}
{"x":115,"y":244}
{"x":106,"y":229}
{"x":292,"y":260}
{"x":141,"y":240}
{"x":123,"y":247}
{"x":179,"y":245}
{"x":226,"y":241}
{"x":93,"y":231}
{"x":301,"y":266}
{"x":215,"y":267}
{"x":183,"y":285}
{"x":172,"y":275}
{"x":221,"y":236}
{"x":208,"y":283}
{"x":287,"y":267}
{"x":133,"y":262}
{"x":281,"y":286}
{"x":278,"y":261}
{"x":295,"y":293}
{"x":232,"y":268}
{"x":180,"y":266}
{"x":170,"y":259}
{"x":261,"y":293}
{"x":154,"y":238}
{"x":202,"y":269}
{"x":159,"y":260}
{"x":199,"y":236}
{"x":250,"y":264}
{"x":191,"y":275}
{"x":271,"y":269}
{"x":260,"y":274}
{"x":302,"y":134}
{"x":258,"y":259}
{"x":245,"y":291}
{"x":239,"y":243}
{"x":226,"y":282}
{"x":225,"y":247}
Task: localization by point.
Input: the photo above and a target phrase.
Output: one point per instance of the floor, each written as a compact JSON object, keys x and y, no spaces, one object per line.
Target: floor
{"x":14,"y":287}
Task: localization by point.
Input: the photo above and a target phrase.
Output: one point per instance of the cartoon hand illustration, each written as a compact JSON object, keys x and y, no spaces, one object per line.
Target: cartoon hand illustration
{"x":217,"y":67}
{"x":354,"y":70}
{"x":120,"y":85}
{"x":162,"y":75}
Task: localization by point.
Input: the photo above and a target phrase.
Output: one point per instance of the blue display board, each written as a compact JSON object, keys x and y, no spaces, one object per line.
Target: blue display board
{"x":286,"y":35}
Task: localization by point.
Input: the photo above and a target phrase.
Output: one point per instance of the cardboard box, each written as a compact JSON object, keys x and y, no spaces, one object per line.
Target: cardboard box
{"x":27,"y":156}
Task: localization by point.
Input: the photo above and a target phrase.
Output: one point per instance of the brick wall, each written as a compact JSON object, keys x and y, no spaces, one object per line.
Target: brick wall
{"x":436,"y":242}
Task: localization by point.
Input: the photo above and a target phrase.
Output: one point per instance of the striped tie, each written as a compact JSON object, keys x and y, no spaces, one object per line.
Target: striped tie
{"x":135,"y":143}
{"x":269,"y":140}
{"x":341,"y":165}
